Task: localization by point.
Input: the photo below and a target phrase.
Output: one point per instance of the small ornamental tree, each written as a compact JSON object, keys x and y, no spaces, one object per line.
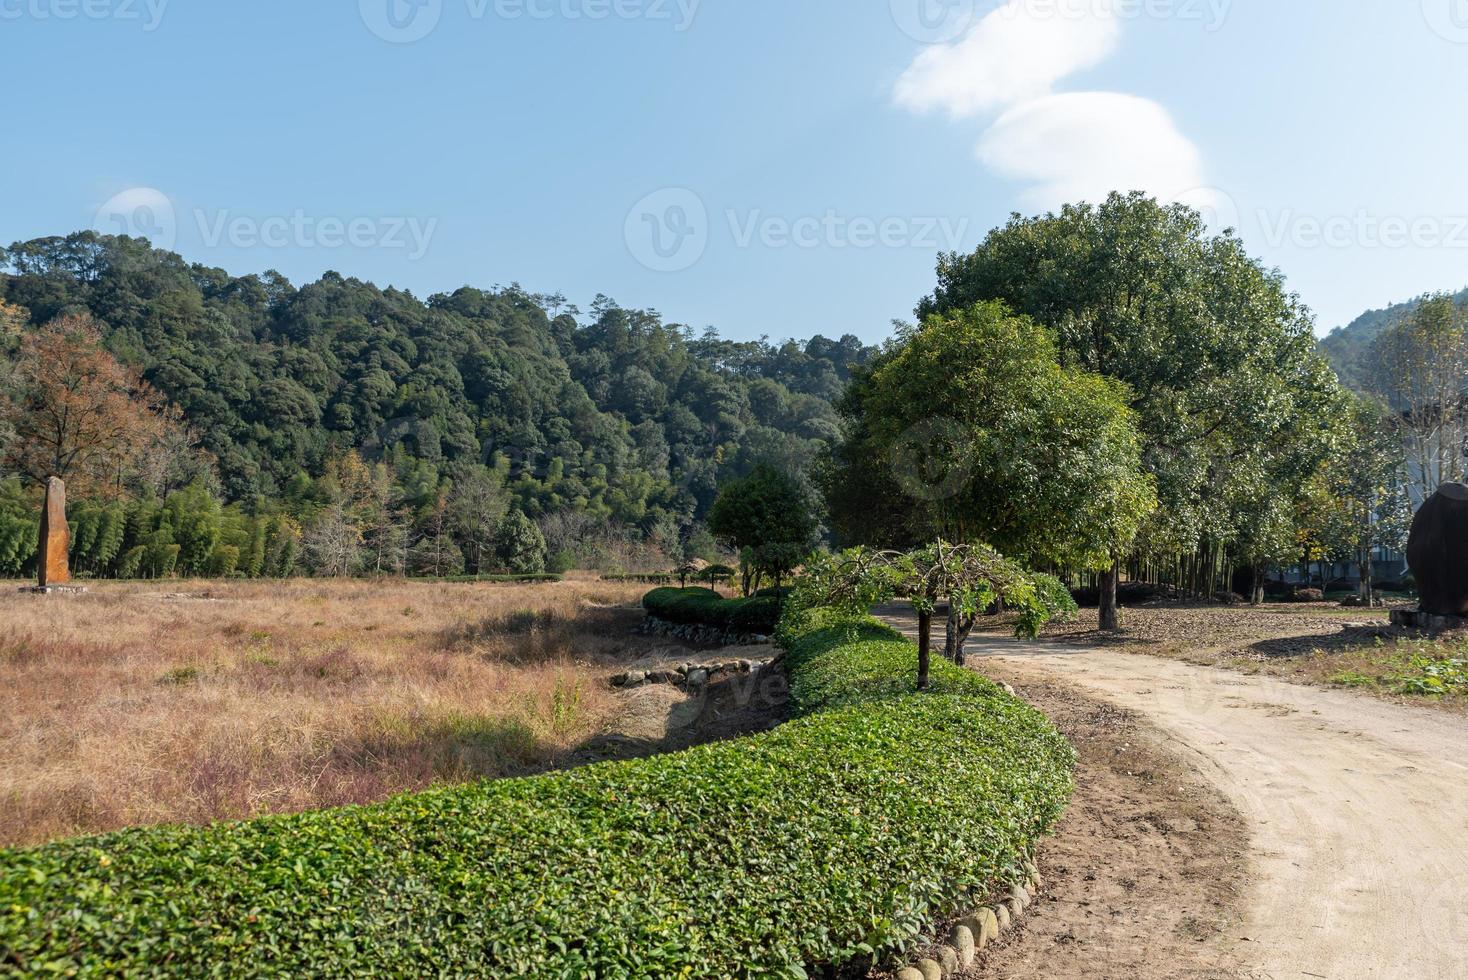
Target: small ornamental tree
{"x":970,"y":577}
{"x":767,"y":517}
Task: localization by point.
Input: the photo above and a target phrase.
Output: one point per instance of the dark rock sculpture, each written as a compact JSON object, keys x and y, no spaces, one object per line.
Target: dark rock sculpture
{"x":1438,"y":552}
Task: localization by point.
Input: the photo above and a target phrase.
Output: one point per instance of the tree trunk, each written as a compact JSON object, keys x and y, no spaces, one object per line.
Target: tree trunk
{"x":1368,"y":578}
{"x":925,"y":648}
{"x":1256,"y":594}
{"x":1110,"y":614}
{"x":959,"y":628}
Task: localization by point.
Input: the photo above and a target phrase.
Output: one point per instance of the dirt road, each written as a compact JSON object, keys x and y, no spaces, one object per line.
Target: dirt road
{"x":1358,"y":809}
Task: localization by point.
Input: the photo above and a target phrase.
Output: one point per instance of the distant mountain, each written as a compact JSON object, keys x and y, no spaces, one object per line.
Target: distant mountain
{"x":1347,"y":347}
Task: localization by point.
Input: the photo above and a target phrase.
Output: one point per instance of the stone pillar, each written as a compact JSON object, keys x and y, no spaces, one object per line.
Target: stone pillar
{"x":55,"y":537}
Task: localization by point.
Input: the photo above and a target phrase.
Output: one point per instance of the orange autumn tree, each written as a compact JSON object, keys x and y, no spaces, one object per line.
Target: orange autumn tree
{"x":76,"y":411}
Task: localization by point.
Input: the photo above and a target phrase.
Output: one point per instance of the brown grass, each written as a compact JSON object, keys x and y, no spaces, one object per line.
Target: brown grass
{"x":132,"y":705}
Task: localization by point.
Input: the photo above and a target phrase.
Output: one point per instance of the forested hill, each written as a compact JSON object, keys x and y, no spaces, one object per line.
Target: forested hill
{"x":613,"y":412}
{"x":1347,"y":347}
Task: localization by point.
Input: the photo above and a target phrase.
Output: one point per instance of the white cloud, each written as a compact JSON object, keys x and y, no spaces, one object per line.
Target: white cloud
{"x":1069,"y":147}
{"x":1081,"y":146}
{"x":1016,"y":53}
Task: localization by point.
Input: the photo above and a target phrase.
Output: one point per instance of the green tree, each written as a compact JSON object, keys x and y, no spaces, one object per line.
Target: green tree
{"x":519,"y":545}
{"x":478,"y":505}
{"x":1218,"y":356}
{"x":1420,"y":369}
{"x":767,"y":517}
{"x":995,"y":442}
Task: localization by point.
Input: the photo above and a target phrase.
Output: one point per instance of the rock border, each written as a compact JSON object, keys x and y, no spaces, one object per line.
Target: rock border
{"x":693,"y":676}
{"x":975,"y":931}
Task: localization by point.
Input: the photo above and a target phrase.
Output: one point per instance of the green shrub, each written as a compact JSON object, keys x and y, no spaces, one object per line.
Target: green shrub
{"x":704,"y":607}
{"x":1056,"y":597}
{"x":834,"y":839}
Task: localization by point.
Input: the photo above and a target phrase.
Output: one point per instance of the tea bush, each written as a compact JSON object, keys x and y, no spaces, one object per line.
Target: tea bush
{"x":831,"y":840}
{"x":704,"y":607}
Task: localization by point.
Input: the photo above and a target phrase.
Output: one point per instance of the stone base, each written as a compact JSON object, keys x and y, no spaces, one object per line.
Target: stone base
{"x":1415,"y":619}
{"x":54,"y":590}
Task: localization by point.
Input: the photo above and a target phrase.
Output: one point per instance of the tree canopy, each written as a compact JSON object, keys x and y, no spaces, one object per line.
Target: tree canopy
{"x":1219,"y":359}
{"x":969,"y":429}
{"x":765,"y":516}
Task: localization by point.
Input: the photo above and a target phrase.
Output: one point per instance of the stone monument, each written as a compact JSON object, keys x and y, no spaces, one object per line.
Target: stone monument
{"x":55,"y":546}
{"x":1437,"y":553}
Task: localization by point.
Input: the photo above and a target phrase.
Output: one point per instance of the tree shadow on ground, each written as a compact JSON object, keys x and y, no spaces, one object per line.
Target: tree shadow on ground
{"x":1348,"y":638}
{"x":732,"y":706}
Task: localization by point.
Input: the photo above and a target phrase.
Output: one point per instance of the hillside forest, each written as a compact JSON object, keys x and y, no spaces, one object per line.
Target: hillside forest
{"x":341,"y":428}
{"x":1105,"y":392}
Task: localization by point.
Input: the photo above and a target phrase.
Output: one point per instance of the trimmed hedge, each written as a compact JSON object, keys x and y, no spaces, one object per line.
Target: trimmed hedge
{"x":531,"y":578}
{"x":705,"y":607}
{"x":835,"y":838}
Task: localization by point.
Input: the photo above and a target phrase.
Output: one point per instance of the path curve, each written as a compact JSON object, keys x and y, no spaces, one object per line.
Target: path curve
{"x":1358,"y":808}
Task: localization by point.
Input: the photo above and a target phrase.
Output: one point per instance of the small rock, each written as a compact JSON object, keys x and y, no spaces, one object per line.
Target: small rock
{"x":948,"y":960}
{"x":1009,"y":690}
{"x":975,"y":926}
{"x":636,"y":678}
{"x":1001,"y":916}
{"x":964,"y":942}
{"x":1015,"y":909}
{"x":759,"y":641}
{"x":619,"y":680}
{"x":1034,"y":883}
{"x":989,"y":927}
{"x":1020,"y":897}
{"x":930,"y":969}
{"x":698,"y":677}
{"x":909,"y":973}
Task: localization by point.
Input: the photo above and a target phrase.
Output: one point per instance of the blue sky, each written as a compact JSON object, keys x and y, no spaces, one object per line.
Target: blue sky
{"x":764,"y":166}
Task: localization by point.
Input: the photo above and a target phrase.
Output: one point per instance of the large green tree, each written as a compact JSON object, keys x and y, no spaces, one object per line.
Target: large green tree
{"x":970,"y":430}
{"x":1218,"y":356}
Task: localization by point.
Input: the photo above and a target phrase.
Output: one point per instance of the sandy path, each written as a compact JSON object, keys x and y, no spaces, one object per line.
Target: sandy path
{"x":1358,"y":809}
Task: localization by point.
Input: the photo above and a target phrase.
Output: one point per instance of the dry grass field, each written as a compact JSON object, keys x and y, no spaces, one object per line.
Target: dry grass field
{"x":198,"y":701}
